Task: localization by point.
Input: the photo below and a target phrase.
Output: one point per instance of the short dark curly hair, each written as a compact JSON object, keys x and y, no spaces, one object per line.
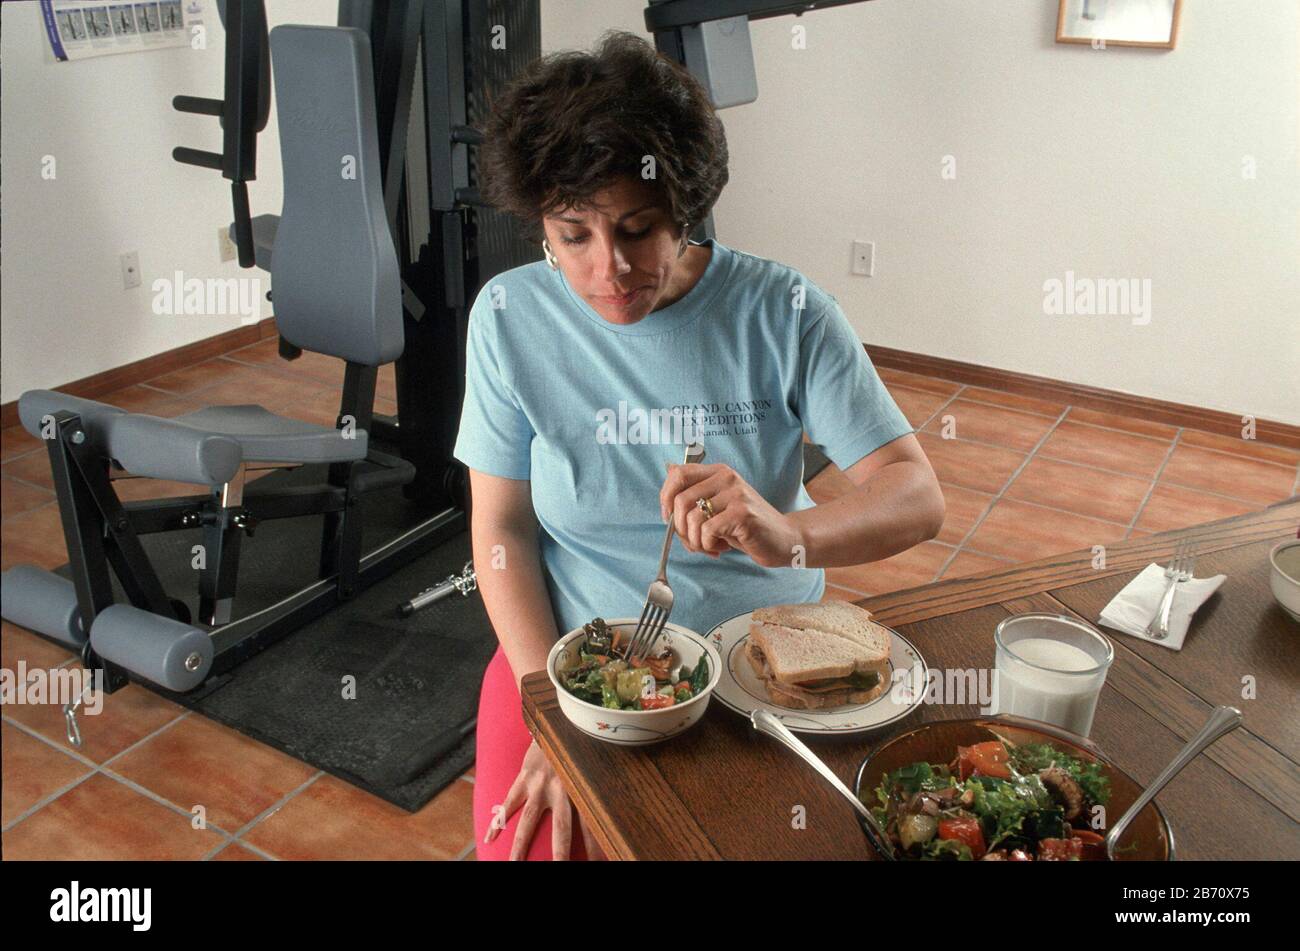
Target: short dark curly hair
{"x":572,"y":122}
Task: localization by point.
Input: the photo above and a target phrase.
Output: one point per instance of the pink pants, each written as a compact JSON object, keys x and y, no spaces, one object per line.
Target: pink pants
{"x":502,"y":740}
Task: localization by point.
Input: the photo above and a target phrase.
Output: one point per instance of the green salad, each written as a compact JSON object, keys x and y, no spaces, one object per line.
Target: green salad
{"x":595,"y":674}
{"x":995,"y":801}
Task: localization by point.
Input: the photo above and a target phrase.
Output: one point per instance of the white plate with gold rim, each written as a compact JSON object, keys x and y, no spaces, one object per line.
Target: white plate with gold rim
{"x":741,"y":690}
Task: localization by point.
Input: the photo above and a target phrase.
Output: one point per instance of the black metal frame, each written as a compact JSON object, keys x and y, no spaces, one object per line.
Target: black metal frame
{"x":664,"y":15}
{"x":243,"y":112}
{"x":419,"y":51}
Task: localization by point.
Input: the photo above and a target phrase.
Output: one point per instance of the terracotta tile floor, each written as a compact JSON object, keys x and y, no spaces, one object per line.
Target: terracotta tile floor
{"x":1023,"y":478}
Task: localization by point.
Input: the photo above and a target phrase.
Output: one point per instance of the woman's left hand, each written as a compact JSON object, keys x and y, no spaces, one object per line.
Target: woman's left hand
{"x":742,"y":519}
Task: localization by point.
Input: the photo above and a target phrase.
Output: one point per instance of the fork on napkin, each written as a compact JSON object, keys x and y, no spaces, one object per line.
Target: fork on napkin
{"x":1132,"y":609}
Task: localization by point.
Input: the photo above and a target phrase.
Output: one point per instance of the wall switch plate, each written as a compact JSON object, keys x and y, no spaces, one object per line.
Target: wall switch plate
{"x":225,"y":245}
{"x":130,"y":270}
{"x":864,"y":258}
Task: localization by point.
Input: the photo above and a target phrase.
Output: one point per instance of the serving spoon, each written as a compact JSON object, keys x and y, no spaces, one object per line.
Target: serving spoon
{"x":1223,"y":720}
{"x":765,"y":722}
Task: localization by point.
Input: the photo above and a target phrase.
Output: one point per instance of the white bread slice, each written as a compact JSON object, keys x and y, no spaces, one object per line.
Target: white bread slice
{"x":799,"y":656}
{"x":809,"y":668}
{"x":813,"y":685}
{"x":758,"y":661}
{"x":833,"y":617}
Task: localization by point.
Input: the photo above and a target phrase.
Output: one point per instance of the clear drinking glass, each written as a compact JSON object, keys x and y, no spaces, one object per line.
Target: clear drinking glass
{"x":1050,"y":667}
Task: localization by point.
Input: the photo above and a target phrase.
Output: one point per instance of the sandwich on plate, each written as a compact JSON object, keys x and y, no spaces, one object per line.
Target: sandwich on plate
{"x":811,"y":656}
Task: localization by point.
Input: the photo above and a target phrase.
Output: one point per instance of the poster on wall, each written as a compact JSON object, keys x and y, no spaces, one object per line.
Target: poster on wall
{"x":78,"y":29}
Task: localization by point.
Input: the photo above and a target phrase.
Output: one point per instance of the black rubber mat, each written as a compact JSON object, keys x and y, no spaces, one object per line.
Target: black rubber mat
{"x":377,"y":700}
{"x":382,"y":702}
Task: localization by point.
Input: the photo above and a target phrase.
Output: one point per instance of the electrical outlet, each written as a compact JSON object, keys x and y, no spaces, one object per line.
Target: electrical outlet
{"x":225,"y":246}
{"x":130,"y":270}
{"x":864,"y":258}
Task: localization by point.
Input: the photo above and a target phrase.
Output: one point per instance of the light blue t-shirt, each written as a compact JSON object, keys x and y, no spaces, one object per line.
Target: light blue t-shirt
{"x":591,"y":412}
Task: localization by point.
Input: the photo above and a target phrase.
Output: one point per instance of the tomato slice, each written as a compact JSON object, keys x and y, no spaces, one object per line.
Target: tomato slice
{"x":983,"y":759}
{"x":656,"y":702}
{"x":1094,"y":845}
{"x":964,"y":830}
{"x":1060,"y":850}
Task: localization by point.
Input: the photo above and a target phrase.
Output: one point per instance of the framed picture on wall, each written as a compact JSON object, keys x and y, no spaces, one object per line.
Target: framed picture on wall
{"x":1151,"y":23}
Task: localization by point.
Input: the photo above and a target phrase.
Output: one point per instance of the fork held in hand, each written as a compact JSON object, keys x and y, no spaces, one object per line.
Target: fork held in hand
{"x":1180,"y":569}
{"x":659,"y":599}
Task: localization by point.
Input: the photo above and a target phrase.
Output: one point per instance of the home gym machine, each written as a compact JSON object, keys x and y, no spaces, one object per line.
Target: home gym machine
{"x":374,"y":267}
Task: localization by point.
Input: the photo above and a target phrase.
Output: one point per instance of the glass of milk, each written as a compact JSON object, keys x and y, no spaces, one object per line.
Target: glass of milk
{"x":1050,"y":667}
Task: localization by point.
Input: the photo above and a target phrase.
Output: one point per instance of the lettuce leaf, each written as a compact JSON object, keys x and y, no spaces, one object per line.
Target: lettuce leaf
{"x":1091,"y":777}
{"x":1003,"y":806}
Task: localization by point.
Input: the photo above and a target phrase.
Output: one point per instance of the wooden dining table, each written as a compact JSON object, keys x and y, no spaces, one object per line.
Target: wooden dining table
{"x":723,"y":791}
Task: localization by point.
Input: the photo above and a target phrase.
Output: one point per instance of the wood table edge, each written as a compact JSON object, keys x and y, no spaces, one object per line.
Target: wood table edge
{"x":940,"y":598}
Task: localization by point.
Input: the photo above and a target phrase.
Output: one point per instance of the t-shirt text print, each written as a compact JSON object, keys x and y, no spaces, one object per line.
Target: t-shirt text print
{"x":684,"y":423}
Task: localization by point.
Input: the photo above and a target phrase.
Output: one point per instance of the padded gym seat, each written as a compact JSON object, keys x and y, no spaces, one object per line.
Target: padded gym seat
{"x":205,"y":447}
{"x":265,"y":437}
{"x":268,"y":438}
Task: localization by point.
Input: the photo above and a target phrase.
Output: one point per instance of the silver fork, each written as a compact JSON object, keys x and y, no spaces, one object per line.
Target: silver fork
{"x":659,"y":599}
{"x":1179,"y":570}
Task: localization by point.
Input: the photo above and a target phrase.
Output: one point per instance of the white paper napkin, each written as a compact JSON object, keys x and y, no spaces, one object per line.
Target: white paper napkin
{"x":1132,"y":609}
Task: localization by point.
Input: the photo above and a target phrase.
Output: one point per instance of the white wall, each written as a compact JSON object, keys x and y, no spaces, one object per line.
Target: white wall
{"x":109,"y":124}
{"x":1115,"y":163}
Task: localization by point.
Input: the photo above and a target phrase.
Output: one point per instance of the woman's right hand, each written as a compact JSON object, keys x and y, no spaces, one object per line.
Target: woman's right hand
{"x":538,"y":789}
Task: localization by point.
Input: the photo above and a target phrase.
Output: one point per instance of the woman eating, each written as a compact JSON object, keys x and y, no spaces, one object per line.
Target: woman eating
{"x":587,"y":374}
